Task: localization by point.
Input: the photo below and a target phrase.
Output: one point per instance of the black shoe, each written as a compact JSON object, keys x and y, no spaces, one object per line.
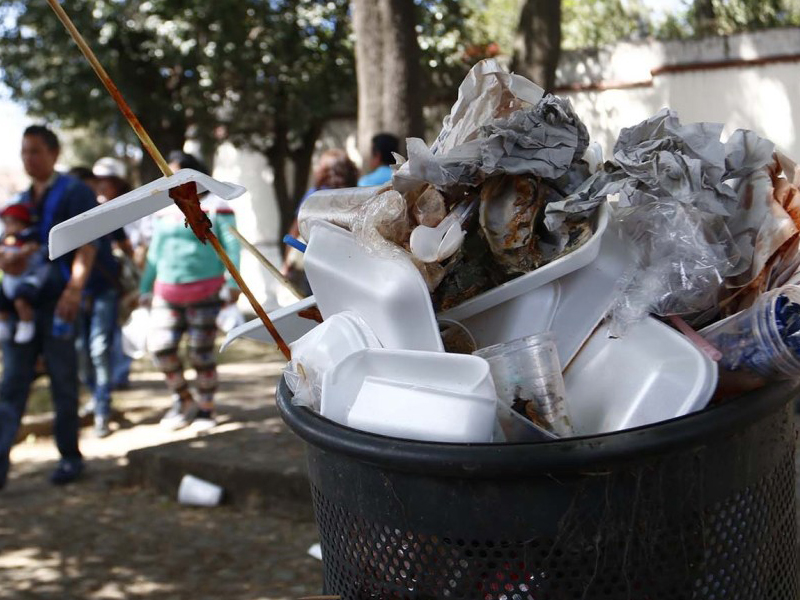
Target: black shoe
{"x":67,"y":471}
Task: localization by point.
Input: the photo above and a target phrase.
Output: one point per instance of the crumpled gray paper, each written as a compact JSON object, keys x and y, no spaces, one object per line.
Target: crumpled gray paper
{"x":488,"y":92}
{"x":543,"y":140}
{"x":678,"y":209}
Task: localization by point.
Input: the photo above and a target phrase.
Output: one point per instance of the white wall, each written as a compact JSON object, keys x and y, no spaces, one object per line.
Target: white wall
{"x":257,"y":215}
{"x":749,"y":81}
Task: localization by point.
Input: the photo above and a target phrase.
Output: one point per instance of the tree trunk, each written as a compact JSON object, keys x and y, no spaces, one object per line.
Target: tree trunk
{"x":402,"y":100}
{"x":277,"y":157}
{"x":369,"y":66}
{"x":167,"y":136}
{"x":538,"y":42}
{"x":705,"y":18}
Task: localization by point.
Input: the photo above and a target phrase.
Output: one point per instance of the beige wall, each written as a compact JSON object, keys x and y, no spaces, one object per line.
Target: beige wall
{"x":749,"y":81}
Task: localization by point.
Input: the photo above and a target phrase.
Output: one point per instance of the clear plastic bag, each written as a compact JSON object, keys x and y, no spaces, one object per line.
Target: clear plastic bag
{"x":683,"y":257}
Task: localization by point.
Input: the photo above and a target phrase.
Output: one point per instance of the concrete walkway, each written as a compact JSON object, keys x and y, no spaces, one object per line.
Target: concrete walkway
{"x":120,"y":533}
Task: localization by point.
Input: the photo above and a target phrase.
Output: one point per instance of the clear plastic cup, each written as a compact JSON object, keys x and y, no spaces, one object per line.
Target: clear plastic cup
{"x":762,"y":343}
{"x":527,"y":377}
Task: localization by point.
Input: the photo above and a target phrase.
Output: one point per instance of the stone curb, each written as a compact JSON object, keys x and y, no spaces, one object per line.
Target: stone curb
{"x":257,"y":469}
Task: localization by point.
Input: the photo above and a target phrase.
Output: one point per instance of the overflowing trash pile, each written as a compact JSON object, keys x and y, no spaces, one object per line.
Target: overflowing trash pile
{"x":509,"y":286}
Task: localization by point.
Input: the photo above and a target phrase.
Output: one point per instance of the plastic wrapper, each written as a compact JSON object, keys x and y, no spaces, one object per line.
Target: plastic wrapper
{"x":340,"y":206}
{"x":769,"y":222}
{"x":382,"y":225}
{"x":681,"y":258}
{"x":427,"y":206}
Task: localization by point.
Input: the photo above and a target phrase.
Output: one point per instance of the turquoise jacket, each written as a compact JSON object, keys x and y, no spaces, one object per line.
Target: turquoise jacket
{"x":175,"y":255}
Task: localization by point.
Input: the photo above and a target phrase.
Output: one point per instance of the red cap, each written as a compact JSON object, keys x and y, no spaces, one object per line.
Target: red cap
{"x":17,"y":211}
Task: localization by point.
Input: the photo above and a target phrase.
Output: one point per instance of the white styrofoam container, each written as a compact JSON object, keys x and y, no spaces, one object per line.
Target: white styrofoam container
{"x":414,"y":412}
{"x":460,"y":373}
{"x":336,"y":337}
{"x":322,"y":348}
{"x":568,"y":263}
{"x":587,"y":295}
{"x":388,"y":293}
{"x":131,"y":207}
{"x":651,"y":374}
{"x":290,"y":325}
{"x":527,"y":314}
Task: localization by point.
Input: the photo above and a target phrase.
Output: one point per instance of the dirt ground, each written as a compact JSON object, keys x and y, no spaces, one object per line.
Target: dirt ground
{"x":100,"y":539}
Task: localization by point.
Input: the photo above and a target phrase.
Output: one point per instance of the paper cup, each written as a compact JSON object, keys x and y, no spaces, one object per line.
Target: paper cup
{"x":197,"y":492}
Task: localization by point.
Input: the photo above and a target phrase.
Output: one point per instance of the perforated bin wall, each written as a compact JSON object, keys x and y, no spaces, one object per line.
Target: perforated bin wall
{"x":698,"y":508}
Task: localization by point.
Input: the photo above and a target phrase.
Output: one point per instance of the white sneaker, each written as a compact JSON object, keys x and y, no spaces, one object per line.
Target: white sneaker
{"x":179,"y":416}
{"x":203,"y":421}
{"x":25,"y":332}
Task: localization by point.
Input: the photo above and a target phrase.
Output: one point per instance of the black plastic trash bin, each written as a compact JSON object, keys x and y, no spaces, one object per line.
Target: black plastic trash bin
{"x":701,"y":507}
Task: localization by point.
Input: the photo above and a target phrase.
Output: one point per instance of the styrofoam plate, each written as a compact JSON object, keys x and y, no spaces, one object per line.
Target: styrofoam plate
{"x":651,"y":374}
{"x":131,"y":207}
{"x":290,"y":325}
{"x":587,"y":295}
{"x":527,"y":314}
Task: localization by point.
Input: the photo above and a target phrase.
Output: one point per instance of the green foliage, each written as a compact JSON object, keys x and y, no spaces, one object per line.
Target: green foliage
{"x":284,"y":68}
{"x":594,"y":23}
{"x":729,"y":16}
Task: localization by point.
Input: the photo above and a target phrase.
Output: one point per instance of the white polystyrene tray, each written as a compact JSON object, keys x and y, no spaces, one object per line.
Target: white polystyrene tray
{"x":527,"y":314}
{"x":388,"y":293}
{"x":290,"y":325}
{"x":131,"y":207}
{"x":460,"y":373}
{"x":651,"y":374}
{"x":415,"y":412}
{"x":558,"y":268}
{"x":587,"y":295}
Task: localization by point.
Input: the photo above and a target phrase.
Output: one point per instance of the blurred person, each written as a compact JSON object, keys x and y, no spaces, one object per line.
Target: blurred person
{"x":51,"y":199}
{"x":188,"y":285}
{"x":19,"y":293}
{"x":112,"y":182}
{"x":334,"y":169}
{"x":380,"y":160}
{"x":85,"y":175}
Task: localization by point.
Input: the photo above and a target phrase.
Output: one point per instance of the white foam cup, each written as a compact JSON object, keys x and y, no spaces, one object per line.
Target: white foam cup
{"x":198,"y":492}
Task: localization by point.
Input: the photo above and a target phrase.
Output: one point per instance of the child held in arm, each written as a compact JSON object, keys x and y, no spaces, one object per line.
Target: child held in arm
{"x":19,"y":293}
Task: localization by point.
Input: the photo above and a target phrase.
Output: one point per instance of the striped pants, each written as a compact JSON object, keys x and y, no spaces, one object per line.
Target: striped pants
{"x":168,"y":322}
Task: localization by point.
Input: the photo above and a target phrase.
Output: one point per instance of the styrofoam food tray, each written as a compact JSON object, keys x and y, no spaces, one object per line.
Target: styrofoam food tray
{"x":558,"y":268}
{"x":461,"y":373}
{"x":290,"y":325}
{"x":518,"y":429}
{"x":651,"y":374}
{"x":131,"y":207}
{"x":388,"y":293}
{"x":587,"y":295}
{"x":330,"y":342}
{"x":411,"y":411}
{"x":527,"y":314}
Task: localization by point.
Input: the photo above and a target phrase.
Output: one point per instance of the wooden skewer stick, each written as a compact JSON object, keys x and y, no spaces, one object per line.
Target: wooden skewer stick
{"x":265,"y":262}
{"x":201,"y":227}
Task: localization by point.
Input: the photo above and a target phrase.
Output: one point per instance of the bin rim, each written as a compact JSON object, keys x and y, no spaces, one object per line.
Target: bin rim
{"x":578,"y":454}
